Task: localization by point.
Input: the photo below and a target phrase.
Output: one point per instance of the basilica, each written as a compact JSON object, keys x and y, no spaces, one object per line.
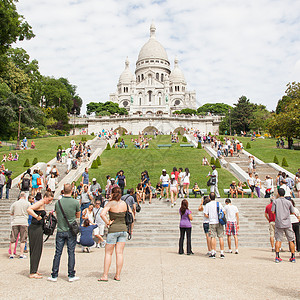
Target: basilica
{"x":155,"y":89}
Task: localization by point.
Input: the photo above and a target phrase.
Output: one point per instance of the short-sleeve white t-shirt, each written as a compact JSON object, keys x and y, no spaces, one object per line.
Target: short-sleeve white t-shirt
{"x":164,"y":179}
{"x":210,"y":209}
{"x":231,"y":211}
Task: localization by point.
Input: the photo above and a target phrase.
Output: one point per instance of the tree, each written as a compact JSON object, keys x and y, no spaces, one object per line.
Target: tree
{"x":186,"y":111}
{"x":260,"y":118}
{"x":107,"y":108}
{"x":214,"y":108}
{"x":13,"y":26}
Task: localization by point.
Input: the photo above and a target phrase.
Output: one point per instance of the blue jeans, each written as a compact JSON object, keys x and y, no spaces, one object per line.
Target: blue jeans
{"x":1,"y":190}
{"x":82,"y":207}
{"x":61,"y":238}
{"x":7,"y":193}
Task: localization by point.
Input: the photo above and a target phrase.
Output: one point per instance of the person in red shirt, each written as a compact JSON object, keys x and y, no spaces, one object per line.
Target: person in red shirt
{"x":270,"y":216}
{"x":176,"y":173}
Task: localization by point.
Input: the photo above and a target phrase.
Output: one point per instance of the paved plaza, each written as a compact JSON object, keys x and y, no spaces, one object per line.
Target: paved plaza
{"x":157,"y":273}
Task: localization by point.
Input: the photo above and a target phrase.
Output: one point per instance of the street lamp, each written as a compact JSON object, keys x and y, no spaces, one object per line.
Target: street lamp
{"x":18,"y":139}
{"x":74,"y":121}
{"x":229,"y":111}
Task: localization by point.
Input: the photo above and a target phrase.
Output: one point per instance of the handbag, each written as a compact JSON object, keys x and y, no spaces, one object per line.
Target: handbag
{"x":39,"y":181}
{"x":128,"y":221}
{"x":74,"y":228}
{"x":138,"y":207}
{"x":221,"y":215}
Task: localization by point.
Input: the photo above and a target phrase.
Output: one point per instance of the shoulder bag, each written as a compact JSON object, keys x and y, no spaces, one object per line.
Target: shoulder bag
{"x":74,"y":228}
{"x":128,"y":221}
{"x":221,"y":215}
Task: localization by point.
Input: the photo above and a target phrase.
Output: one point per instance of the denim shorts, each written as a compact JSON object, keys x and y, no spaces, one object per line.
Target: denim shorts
{"x":206,"y":227}
{"x":116,"y":237}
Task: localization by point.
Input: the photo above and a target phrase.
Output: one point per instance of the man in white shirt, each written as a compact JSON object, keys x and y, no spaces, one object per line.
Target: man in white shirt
{"x":287,"y":190}
{"x":214,"y":187}
{"x":215,"y":228}
{"x":232,"y":225}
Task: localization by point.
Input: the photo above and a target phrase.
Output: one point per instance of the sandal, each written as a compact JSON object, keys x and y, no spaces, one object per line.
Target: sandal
{"x":104,"y":280}
{"x":35,"y":276}
{"x":115,"y":278}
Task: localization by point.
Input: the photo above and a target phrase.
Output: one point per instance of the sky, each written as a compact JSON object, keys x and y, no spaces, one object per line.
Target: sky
{"x":225,"y":48}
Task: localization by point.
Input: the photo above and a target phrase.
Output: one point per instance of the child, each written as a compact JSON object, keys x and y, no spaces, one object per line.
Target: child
{"x":196,"y":190}
{"x":8,"y":185}
{"x":185,"y":227}
{"x":158,"y":189}
{"x":86,"y":238}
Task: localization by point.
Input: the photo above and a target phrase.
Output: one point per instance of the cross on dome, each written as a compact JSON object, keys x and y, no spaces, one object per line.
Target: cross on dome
{"x":152,"y":30}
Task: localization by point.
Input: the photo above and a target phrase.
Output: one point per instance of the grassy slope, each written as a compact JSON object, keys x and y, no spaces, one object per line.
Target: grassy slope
{"x":134,"y":161}
{"x":45,"y":150}
{"x":265,"y":149}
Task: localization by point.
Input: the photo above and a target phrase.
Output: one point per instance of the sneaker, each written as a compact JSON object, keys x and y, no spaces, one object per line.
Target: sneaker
{"x":71,"y":279}
{"x":87,"y":249}
{"x":82,"y":249}
{"x":212,"y":256}
{"x":208,"y":254}
{"x":22,"y":256}
{"x":53,"y":279}
{"x":98,"y":245}
{"x":222,"y":256}
{"x":278,"y":259}
{"x":229,"y":251}
{"x":168,"y":199}
{"x":102,"y":245}
{"x":236,"y":252}
{"x":292,"y":260}
{"x":172,"y":205}
{"x":175,"y":203}
{"x":11,"y":256}
{"x":273,"y":249}
{"x":159,"y":198}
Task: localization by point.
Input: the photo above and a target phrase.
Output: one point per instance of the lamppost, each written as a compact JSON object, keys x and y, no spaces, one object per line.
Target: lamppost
{"x":229,"y":112}
{"x":18,"y":139}
{"x":74,"y":121}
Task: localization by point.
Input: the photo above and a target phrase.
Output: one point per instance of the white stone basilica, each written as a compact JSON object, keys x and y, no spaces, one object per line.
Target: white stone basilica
{"x":154,"y":89}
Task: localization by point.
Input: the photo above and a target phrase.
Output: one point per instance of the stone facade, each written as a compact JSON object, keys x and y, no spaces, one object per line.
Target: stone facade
{"x":154,"y":89}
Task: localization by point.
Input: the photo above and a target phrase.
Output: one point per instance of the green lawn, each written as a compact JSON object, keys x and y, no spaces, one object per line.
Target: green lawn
{"x":45,"y":150}
{"x":134,"y":161}
{"x":265,"y":149}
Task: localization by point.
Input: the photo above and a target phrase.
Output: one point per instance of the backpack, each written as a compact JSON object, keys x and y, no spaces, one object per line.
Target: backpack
{"x":221,"y":215}
{"x":49,"y":225}
{"x":128,"y":221}
{"x":39,"y":181}
{"x":25,"y":184}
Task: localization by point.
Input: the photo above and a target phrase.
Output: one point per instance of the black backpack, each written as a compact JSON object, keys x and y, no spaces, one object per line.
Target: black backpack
{"x":128,"y":221}
{"x":49,"y":225}
{"x":25,"y":184}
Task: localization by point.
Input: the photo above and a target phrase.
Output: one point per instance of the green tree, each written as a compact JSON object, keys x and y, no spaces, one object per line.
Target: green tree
{"x":214,"y":108}
{"x":13,"y":26}
{"x":260,"y":118}
{"x":107,"y":108}
{"x":186,"y":111}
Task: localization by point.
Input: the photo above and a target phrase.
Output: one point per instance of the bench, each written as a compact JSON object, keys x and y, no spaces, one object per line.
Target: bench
{"x":164,"y":146}
{"x":187,"y":145}
{"x":246,"y":192}
{"x":202,"y":192}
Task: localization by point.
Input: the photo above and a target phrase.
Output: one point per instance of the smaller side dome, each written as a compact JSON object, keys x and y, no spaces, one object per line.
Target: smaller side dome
{"x":126,"y":76}
{"x":176,"y":75}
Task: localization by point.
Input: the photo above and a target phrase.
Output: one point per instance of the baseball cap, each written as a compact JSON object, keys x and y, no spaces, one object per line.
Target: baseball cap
{"x":112,"y":179}
{"x":94,"y":179}
{"x":164,"y":170}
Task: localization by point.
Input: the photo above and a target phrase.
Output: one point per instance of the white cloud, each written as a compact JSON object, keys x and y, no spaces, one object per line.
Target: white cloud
{"x":226,"y":48}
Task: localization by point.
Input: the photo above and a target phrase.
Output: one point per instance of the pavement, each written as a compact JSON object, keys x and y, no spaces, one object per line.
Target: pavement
{"x":157,"y":273}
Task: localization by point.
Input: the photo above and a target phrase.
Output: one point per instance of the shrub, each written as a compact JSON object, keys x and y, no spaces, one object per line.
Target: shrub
{"x":83,"y":139}
{"x":275,"y":160}
{"x":26,"y":163}
{"x":199,"y":145}
{"x":209,"y":133}
{"x":94,"y":165}
{"x":212,"y":161}
{"x":284,"y":162}
{"x":98,"y":161}
{"x":119,"y":140}
{"x":248,"y":146}
{"x":178,"y":133}
{"x":123,"y":133}
{"x":92,"y":134}
{"x":217,"y":163}
{"x":35,"y":161}
{"x":221,"y":139}
{"x":59,"y":147}
{"x":184,"y":139}
{"x":108,"y":147}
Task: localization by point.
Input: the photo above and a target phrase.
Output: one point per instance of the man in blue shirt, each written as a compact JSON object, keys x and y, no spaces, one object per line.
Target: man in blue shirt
{"x":85,"y":176}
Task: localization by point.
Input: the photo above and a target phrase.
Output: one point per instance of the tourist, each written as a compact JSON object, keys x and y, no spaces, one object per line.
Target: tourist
{"x":64,"y":235}
{"x":283,"y":208}
{"x":173,"y":190}
{"x":295,"y":225}
{"x":185,"y":227}
{"x":69,"y":163}
{"x":4,"y":158}
{"x":54,"y":171}
{"x":180,"y":182}
{"x":88,"y":213}
{"x":204,"y":201}
{"x":269,"y":186}
{"x":279,"y":178}
{"x":233,"y":189}
{"x":257,"y":183}
{"x":165,"y":180}
{"x":215,"y":228}
{"x":25,"y":183}
{"x":18,"y":211}
{"x":140,"y":193}
{"x":270,"y":216}
{"x":108,"y":183}
{"x":42,"y":181}
{"x":186,"y":182}
{"x":205,"y":161}
{"x":8,"y":186}
{"x":86,"y":235}
{"x":130,"y":201}
{"x":158,"y":189}
{"x":196,"y":190}
{"x":51,"y":184}
{"x":113,"y":184}
{"x":251,"y":184}
{"x":99,"y":231}
{"x":2,"y":183}
{"x":297,"y":184}
{"x":175,"y":172}
{"x":287,"y":191}
{"x":250,"y":165}
{"x":95,"y":189}
{"x":117,"y":233}
{"x":85,"y":176}
{"x":85,"y":200}
{"x":121,"y":181}
{"x":240,"y":189}
{"x":34,"y":184}
{"x":147,"y":186}
{"x":232,"y":225}
{"x":214,"y":181}
{"x":35,"y":232}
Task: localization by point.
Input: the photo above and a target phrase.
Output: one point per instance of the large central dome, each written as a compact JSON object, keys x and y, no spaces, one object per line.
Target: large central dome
{"x":153,"y":49}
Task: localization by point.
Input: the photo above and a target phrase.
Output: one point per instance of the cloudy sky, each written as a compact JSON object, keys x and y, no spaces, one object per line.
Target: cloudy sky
{"x":226,"y":48}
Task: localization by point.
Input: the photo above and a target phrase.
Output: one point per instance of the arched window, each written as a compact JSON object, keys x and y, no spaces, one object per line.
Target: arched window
{"x":157,"y":76}
{"x":139,"y":78}
{"x":149,"y":95}
{"x":124,"y":89}
{"x":142,"y":76}
{"x":162,"y":77}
